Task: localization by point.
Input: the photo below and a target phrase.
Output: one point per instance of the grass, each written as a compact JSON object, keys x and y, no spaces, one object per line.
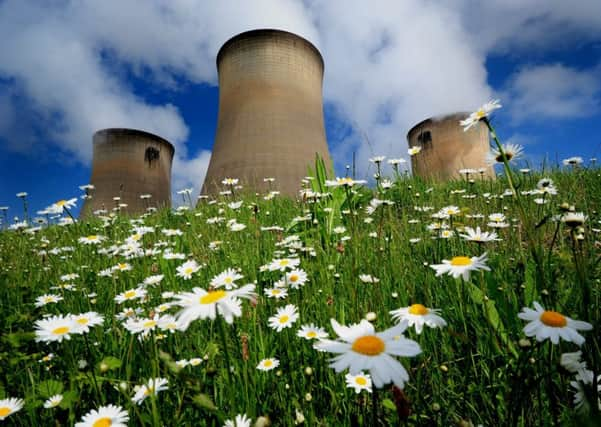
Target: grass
{"x":479,"y":369}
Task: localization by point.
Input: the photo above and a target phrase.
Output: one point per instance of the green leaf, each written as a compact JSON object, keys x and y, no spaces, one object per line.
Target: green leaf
{"x":388,"y":404}
{"x":109,"y":363}
{"x":49,"y":388}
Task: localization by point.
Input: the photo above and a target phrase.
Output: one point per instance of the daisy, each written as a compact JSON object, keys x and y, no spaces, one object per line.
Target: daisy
{"x":461,"y":266}
{"x":268,"y":364}
{"x":545,"y":324}
{"x":227,"y":278}
{"x":10,"y":406}
{"x":152,"y":387}
{"x":368,"y":278}
{"x":584,"y":378}
{"x":419,"y":315}
{"x":478,"y":235}
{"x":230,"y":181}
{"x":311,"y":332}
{"x":60,"y":206}
{"x":202,"y":304}
{"x":53,"y":401}
{"x":55,"y":328}
{"x":512,"y":152}
{"x":130,"y":294}
{"x":572,"y":161}
{"x":143,"y":325}
{"x":296,"y":278}
{"x":188,"y":268}
{"x":84,"y":321}
{"x":153,"y":280}
{"x":93,"y":239}
{"x":414,"y":150}
{"x":572,"y":362}
{"x":171,"y":232}
{"x":450,"y":210}
{"x":363,"y":348}
{"x":47,"y":299}
{"x":111,"y":415}
{"x":359,"y":382}
{"x":122,"y":266}
{"x":480,"y":114}
{"x":239,"y":421}
{"x":278,"y":293}
{"x":284,"y":318}
{"x":573,"y":219}
{"x":283,"y":264}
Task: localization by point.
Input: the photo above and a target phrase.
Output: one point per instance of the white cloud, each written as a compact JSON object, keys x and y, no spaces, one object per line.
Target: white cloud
{"x":554,"y":91}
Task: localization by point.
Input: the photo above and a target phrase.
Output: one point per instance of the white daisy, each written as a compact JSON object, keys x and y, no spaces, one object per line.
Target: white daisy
{"x":311,"y":332}
{"x":545,"y":324}
{"x":412,"y":151}
{"x":152,"y":387}
{"x":227,"y":278}
{"x":47,"y":299}
{"x":239,"y":421}
{"x":130,"y":294}
{"x":359,"y":382}
{"x":284,"y":318}
{"x":275,"y":292}
{"x":84,"y":321}
{"x":93,"y":239}
{"x":461,"y":266}
{"x":418,"y":315}
{"x":9,"y":406}
{"x":283,"y":264}
{"x":202,"y":304}
{"x":480,"y":114}
{"x":362,"y":348}
{"x":111,"y":415}
{"x":268,"y":364}
{"x":153,"y":280}
{"x":188,"y":268}
{"x":55,"y":328}
{"x":479,"y":236}
{"x":511,"y":151}
{"x":296,"y":278}
{"x":53,"y":401}
{"x":368,"y":278}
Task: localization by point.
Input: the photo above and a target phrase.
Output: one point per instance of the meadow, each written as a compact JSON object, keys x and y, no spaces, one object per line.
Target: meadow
{"x":193,"y":316}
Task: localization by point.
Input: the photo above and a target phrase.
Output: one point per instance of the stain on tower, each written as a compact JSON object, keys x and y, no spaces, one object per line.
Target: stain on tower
{"x":127,"y":164}
{"x":446,"y":148}
{"x":270,"y":112}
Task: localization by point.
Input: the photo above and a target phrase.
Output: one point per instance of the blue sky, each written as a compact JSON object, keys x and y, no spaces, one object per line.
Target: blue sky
{"x":68,"y":68}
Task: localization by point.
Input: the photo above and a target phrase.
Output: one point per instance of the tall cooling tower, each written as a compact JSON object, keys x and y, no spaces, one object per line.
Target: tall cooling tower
{"x":129,"y":163}
{"x":270,"y":112}
{"x":446,"y":148}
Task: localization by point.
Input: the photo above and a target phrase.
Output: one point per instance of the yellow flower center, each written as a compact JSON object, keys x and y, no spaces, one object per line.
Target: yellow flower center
{"x":311,"y":334}
{"x":136,"y":236}
{"x":228,"y":280}
{"x":418,"y":309}
{"x":61,"y":331}
{"x":189,"y":270}
{"x":553,"y":319}
{"x":129,"y":294}
{"x":293,"y":278}
{"x":122,"y":266}
{"x":150,"y":324}
{"x":461,"y":261}
{"x":276,"y":291}
{"x":82,"y":321}
{"x":4,"y":411}
{"x":92,"y":237}
{"x":283,"y":319}
{"x":267,"y":363}
{"x":61,"y":203}
{"x":370,"y":345}
{"x":212,"y":297}
{"x":103,"y":422}
{"x":361,"y":381}
{"x":284,"y":262}
{"x":480,"y":114}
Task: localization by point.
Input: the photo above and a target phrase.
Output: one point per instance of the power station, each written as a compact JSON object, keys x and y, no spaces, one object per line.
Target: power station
{"x":131,"y":169}
{"x":446,"y":148}
{"x":270,"y":122}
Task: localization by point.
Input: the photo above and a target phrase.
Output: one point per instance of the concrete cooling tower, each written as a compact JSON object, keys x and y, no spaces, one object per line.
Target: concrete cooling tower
{"x":129,"y":163}
{"x":446,"y":148}
{"x":270,"y":121}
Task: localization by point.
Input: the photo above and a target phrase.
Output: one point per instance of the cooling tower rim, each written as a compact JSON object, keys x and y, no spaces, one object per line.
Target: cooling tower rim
{"x":130,"y":131}
{"x":267,"y":31}
{"x":443,"y":117}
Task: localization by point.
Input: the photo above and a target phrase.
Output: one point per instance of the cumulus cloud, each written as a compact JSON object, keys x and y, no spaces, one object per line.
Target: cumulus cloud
{"x":554,"y":91}
{"x":67,"y":65}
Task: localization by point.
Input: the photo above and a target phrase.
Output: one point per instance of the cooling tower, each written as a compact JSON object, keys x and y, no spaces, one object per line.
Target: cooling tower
{"x":129,"y":163}
{"x":270,"y":121}
{"x":446,"y":148}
